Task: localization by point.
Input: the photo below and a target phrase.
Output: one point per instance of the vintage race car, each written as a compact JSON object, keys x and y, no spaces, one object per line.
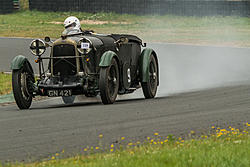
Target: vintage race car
{"x":86,"y":64}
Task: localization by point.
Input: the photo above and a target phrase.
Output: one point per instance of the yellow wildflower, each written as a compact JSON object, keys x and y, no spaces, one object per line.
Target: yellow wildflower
{"x":235,"y":133}
{"x":97,"y":148}
{"x":148,"y":138}
{"x":53,"y":158}
{"x":111,"y":150}
{"x":57,"y":154}
{"x":100,"y":135}
{"x":213,"y":127}
{"x":156,"y":134}
{"x":122,"y":138}
{"x":112,"y":145}
{"x":85,"y":149}
{"x":130,"y":144}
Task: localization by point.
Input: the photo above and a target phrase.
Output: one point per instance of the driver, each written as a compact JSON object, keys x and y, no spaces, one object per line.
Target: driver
{"x":72,"y":25}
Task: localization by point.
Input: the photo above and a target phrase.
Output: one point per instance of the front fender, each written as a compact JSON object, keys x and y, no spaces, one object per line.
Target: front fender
{"x":18,"y":62}
{"x":107,"y":58}
{"x":144,"y":64}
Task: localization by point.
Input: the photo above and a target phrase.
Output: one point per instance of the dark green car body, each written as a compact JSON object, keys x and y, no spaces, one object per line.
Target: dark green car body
{"x":73,"y":68}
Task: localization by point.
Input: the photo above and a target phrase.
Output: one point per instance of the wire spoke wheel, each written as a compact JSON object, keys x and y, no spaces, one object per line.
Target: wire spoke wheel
{"x":150,"y":88}
{"x":112,"y":80}
{"x":22,"y":88}
{"x":109,"y":82}
{"x":153,"y":76}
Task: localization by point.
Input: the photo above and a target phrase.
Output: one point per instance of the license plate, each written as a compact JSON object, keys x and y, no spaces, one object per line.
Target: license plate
{"x":55,"y":93}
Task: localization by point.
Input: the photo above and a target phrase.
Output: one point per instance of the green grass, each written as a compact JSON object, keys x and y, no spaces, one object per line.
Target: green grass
{"x":229,"y":148}
{"x":5,"y":84}
{"x":231,"y":30}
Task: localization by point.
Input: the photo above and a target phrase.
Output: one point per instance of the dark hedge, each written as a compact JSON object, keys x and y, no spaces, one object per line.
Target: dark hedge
{"x":6,"y":6}
{"x":142,"y":7}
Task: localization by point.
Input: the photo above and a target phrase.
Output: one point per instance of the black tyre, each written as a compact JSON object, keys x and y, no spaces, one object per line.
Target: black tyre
{"x":22,"y":88}
{"x":109,"y":82}
{"x":69,"y":99}
{"x":149,"y":88}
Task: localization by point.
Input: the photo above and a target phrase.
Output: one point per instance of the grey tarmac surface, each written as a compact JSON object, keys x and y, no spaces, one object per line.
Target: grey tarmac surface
{"x":48,"y":127}
{"x":215,"y":80}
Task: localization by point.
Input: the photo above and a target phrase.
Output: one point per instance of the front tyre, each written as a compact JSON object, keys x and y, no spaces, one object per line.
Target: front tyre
{"x":22,"y":88}
{"x":149,"y":88}
{"x":109,"y":82}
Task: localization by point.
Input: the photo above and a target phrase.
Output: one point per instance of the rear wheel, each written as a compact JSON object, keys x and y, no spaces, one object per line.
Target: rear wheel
{"x":149,"y":88}
{"x":68,"y":99}
{"x":22,"y":88}
{"x":109,"y":82}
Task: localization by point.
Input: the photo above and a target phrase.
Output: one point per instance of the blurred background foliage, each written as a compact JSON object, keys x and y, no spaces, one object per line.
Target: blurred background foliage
{"x":24,"y":4}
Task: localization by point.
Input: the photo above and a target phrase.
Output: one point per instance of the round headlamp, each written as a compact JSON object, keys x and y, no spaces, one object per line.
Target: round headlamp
{"x":37,"y":47}
{"x":84,"y":46}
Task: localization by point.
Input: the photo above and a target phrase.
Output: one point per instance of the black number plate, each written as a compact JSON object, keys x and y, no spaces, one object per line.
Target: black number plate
{"x":55,"y":93}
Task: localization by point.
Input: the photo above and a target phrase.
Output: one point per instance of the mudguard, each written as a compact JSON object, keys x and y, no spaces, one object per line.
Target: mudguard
{"x":144,"y":64}
{"x":106,"y":58}
{"x":20,"y":61}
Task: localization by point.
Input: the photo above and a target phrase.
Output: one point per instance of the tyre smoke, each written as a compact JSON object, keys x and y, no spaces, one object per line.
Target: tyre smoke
{"x":185,"y":68}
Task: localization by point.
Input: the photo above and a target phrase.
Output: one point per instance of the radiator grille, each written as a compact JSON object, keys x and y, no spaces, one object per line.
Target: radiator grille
{"x":66,"y":66}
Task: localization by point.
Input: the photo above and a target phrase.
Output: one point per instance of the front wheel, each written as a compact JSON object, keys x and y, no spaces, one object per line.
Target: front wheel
{"x":109,"y":82}
{"x":22,"y":88}
{"x":150,"y":87}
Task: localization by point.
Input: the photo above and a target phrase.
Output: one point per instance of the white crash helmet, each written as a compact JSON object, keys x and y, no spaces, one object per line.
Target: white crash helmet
{"x":72,"y":22}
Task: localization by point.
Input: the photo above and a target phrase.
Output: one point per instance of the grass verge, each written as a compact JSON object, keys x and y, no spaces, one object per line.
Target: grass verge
{"x":218,"y":30}
{"x":227,"y":147}
{"x":5,"y":84}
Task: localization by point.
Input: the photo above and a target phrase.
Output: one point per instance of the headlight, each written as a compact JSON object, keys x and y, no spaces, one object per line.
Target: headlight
{"x":84,"y":46}
{"x":37,"y":47}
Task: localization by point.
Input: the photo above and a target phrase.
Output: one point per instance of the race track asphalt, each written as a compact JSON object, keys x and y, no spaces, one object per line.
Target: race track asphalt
{"x":200,"y":87}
